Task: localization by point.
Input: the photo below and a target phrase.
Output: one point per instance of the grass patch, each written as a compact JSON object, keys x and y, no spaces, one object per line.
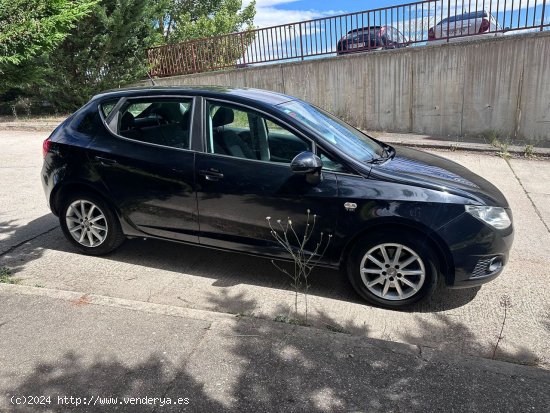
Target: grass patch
{"x":491,"y":136}
{"x":504,"y":152}
{"x":6,"y":277}
{"x":289,"y":320}
{"x":245,"y":314}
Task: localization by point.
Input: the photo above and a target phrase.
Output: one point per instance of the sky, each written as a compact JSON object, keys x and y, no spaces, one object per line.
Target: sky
{"x":321,"y":37}
{"x":275,"y":12}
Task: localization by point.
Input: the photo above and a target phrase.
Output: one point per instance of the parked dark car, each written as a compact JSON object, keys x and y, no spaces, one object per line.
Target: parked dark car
{"x":371,"y":38}
{"x":207,"y":166}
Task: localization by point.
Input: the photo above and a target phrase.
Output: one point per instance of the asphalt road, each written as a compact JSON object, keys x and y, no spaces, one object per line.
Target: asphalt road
{"x":460,"y":321}
{"x":99,"y":354}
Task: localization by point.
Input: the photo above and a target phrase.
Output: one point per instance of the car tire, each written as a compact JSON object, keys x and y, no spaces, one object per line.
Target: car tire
{"x":369,"y":271}
{"x":97,"y":231}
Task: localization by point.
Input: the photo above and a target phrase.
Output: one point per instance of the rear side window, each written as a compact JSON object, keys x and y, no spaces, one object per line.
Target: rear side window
{"x":361,"y":35}
{"x":466,"y":16}
{"x":165,"y":121}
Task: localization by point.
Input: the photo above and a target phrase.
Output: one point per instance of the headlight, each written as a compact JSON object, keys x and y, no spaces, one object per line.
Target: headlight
{"x":494,"y":216}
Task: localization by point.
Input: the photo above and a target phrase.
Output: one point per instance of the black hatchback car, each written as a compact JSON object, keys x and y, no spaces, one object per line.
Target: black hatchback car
{"x":207,"y":166}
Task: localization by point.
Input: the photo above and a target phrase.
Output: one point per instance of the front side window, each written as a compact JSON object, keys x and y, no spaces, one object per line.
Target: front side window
{"x":393,"y":35}
{"x":333,"y":131}
{"x":246,"y":134}
{"x":330,"y":164}
{"x":165,"y":121}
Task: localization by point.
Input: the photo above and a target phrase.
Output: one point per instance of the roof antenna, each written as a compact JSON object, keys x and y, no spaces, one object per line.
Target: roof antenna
{"x":148,"y":74}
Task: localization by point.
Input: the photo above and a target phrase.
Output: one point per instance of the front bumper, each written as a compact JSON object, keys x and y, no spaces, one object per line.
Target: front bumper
{"x":479,"y":251}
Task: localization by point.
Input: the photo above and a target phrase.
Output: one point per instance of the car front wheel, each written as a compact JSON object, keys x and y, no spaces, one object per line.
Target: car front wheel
{"x":392,"y":270}
{"x":90,"y":224}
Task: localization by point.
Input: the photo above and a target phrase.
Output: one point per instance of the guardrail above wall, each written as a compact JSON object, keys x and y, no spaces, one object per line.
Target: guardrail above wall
{"x":384,"y":28}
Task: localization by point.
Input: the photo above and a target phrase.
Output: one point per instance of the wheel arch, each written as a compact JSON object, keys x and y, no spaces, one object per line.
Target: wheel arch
{"x":61,"y":191}
{"x":440,"y":248}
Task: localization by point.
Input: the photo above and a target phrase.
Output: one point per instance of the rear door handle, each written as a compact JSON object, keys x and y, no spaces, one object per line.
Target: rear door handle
{"x":105,"y":161}
{"x":211,"y":174}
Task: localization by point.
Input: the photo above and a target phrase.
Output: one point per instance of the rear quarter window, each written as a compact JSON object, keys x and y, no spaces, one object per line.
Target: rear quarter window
{"x":107,"y":107}
{"x":87,"y":122}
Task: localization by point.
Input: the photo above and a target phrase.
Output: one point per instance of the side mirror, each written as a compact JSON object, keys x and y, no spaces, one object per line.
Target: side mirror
{"x":306,"y":163}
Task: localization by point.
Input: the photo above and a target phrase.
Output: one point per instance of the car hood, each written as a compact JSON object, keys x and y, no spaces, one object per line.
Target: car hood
{"x":424,"y":169}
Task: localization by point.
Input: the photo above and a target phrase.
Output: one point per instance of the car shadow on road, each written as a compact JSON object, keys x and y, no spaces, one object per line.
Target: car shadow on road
{"x":226,"y":268}
{"x":230,"y":269}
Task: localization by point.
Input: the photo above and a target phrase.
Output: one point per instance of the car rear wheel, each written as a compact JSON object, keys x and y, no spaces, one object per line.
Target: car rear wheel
{"x":392,"y":270}
{"x":90,"y":224}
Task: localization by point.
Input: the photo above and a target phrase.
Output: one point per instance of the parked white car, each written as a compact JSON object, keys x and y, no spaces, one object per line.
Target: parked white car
{"x":463,"y":27}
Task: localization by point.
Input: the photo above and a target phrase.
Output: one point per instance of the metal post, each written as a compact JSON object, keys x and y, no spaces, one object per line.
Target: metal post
{"x":542,"y":17}
{"x":301,"y":45}
{"x":448,"y":18}
{"x":194,"y":57}
{"x":242,"y":47}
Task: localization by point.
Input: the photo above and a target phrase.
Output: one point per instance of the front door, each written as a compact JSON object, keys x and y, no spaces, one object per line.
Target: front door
{"x":244,"y":178}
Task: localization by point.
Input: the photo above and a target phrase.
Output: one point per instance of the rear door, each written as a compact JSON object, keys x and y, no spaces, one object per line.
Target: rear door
{"x":143,"y":158}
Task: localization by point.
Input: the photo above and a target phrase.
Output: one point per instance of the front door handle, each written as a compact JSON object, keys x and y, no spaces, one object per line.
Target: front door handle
{"x":211,"y":174}
{"x":105,"y":161}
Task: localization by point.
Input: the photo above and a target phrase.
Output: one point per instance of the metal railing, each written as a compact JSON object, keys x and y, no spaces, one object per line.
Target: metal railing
{"x":390,"y":27}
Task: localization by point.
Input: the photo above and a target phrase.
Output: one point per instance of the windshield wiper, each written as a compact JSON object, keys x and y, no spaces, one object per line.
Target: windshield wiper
{"x":379,"y":160}
{"x":387,"y":154}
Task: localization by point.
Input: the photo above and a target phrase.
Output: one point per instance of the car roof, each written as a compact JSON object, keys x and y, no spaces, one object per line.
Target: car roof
{"x":467,"y":16}
{"x":264,"y":97}
{"x":365,"y":28}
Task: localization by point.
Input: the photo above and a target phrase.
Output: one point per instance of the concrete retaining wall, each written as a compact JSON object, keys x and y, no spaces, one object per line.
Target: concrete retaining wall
{"x":500,"y":84}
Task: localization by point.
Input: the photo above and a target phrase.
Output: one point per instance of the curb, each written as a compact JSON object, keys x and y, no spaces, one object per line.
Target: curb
{"x":465,"y":146}
{"x":80,"y":298}
{"x":28,"y":128}
{"x":427,"y":354}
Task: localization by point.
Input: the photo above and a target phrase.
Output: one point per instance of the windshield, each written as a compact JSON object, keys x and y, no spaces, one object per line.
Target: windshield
{"x":334,"y":131}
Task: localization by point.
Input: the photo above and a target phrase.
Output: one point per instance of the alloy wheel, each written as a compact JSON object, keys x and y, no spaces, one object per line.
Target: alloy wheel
{"x":86,"y":223}
{"x":392,"y":271}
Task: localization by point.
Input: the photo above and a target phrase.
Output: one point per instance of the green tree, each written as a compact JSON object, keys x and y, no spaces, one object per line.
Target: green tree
{"x":105,"y":50}
{"x":180,"y":20}
{"x":30,"y":29}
